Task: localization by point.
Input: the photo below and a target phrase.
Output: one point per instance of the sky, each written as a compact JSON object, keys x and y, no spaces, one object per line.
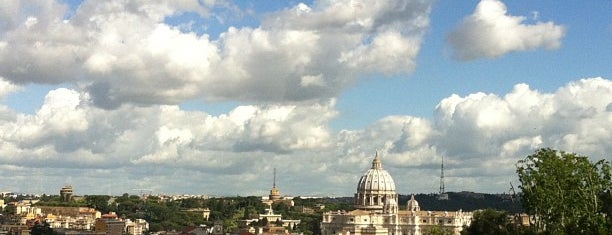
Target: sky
{"x":209,"y":96}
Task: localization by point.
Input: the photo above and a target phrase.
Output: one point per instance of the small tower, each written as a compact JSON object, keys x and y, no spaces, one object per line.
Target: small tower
{"x":412,"y":204}
{"x":274,"y":192}
{"x":442,"y":195}
{"x":66,"y":193}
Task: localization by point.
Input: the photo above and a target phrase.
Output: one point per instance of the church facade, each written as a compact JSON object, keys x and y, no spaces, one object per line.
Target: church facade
{"x":378,"y":213}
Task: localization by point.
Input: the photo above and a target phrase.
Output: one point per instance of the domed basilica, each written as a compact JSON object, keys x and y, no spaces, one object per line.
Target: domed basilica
{"x":378,"y":213}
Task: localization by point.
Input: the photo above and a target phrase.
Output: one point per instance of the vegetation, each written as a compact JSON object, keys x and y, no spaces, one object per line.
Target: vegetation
{"x":9,"y":210}
{"x":566,"y":192}
{"x":438,"y":230}
{"x":42,"y":229}
{"x":466,"y":201}
{"x":175,"y":215}
{"x":563,"y":192}
{"x":491,"y":221}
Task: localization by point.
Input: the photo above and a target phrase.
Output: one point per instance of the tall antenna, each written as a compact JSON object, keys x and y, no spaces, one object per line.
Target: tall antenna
{"x":274,"y":192}
{"x":274,"y":181}
{"x":442,"y":194}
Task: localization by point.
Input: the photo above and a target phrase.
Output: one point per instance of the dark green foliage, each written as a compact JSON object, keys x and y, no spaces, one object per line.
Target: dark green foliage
{"x":466,"y":201}
{"x":438,"y":230}
{"x":310,"y":223}
{"x":490,"y":221}
{"x":567,"y":193}
{"x":100,"y":202}
{"x":41,"y":229}
{"x":260,"y":223}
{"x":278,"y":222}
{"x":9,"y":209}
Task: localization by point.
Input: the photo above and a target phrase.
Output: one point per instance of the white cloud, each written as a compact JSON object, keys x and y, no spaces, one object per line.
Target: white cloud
{"x":490,"y":32}
{"x":7,"y":88}
{"x":124,"y":52}
{"x":503,"y":129}
{"x":480,"y":136}
{"x":68,"y":127}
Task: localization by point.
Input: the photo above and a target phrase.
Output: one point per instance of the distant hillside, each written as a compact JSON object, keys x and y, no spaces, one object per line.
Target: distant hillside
{"x":466,"y":201}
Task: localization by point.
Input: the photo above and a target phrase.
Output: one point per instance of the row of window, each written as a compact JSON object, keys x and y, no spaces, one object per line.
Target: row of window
{"x":450,"y":221}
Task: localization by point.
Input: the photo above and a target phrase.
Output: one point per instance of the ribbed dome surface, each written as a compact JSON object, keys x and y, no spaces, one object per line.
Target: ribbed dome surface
{"x":376,"y":179}
{"x":375,"y":188}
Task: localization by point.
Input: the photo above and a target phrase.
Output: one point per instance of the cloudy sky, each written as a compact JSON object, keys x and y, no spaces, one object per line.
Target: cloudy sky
{"x":209,"y":96}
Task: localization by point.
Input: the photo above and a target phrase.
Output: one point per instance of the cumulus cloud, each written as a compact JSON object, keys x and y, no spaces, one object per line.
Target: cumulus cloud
{"x":491,"y":32}
{"x":7,"y":88}
{"x":480,"y":136}
{"x":124,"y":51}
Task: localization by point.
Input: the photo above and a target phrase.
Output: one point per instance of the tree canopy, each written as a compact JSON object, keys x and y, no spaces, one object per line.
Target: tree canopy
{"x":566,"y":193}
{"x":490,"y":221}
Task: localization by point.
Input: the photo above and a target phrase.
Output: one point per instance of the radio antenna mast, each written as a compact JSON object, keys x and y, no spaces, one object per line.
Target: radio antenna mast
{"x":442,"y":195}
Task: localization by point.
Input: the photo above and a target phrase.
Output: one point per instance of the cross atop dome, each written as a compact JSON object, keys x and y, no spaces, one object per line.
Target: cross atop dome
{"x":376,"y":163}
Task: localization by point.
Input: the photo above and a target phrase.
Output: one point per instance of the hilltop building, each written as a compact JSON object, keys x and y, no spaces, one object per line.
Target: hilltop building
{"x":66,"y":193}
{"x":378,"y":213}
{"x":275,"y":195}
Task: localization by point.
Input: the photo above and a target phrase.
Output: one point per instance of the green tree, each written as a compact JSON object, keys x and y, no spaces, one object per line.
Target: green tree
{"x":438,"y":230}
{"x":264,"y":222}
{"x":10,"y":209}
{"x":278,"y":222}
{"x":41,"y":229}
{"x":489,"y":221}
{"x":99,"y":202}
{"x":564,"y":192}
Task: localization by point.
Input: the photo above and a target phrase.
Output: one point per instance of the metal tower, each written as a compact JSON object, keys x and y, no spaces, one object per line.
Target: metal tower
{"x":442,"y":195}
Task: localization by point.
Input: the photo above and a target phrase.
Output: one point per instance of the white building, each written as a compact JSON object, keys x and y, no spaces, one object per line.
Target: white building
{"x":136,"y":227}
{"x":377,"y":211}
{"x":271,"y":218}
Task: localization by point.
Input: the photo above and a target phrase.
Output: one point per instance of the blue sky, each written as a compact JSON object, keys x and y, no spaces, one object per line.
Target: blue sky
{"x":228,"y":90}
{"x":585,"y":53}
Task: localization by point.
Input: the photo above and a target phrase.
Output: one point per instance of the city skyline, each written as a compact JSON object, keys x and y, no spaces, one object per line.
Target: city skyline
{"x":208,"y":97}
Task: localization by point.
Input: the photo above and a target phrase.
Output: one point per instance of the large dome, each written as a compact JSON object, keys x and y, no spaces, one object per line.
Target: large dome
{"x":375,"y":187}
{"x":376,"y":179}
